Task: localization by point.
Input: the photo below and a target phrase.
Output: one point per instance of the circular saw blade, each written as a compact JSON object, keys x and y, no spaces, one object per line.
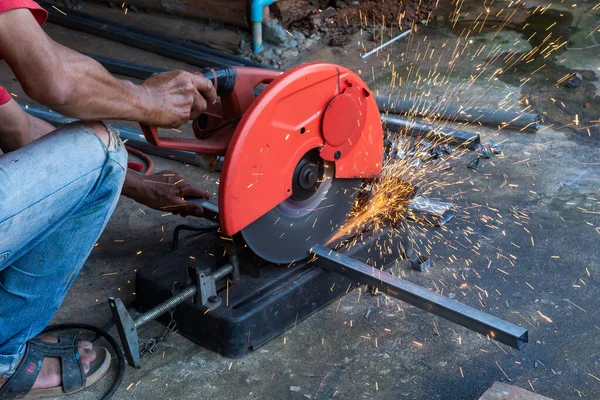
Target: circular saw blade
{"x":288,"y":232}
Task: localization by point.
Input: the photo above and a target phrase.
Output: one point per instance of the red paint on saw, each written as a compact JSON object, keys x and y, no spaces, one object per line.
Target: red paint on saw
{"x":313,"y":106}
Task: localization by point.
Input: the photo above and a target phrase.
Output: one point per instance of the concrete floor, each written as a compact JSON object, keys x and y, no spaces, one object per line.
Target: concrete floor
{"x":525,"y":251}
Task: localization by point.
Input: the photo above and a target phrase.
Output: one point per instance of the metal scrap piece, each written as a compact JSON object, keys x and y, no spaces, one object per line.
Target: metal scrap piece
{"x":415,"y":162}
{"x":575,"y":80}
{"x":419,"y":263}
{"x":435,"y":212}
{"x":495,"y":149}
{"x":483,"y":151}
{"x":473,"y":164}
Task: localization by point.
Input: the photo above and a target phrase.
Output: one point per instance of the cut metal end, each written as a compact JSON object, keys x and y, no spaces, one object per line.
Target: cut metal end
{"x":523,"y":340}
{"x":513,"y":336}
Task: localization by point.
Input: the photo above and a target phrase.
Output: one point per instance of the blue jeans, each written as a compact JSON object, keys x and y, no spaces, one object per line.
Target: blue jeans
{"x":56,"y":196}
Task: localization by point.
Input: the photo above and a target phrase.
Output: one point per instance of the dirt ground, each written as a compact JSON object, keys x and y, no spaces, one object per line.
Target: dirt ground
{"x":523,"y":246}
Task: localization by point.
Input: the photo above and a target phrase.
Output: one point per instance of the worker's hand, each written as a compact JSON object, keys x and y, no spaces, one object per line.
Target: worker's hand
{"x":165,"y":191}
{"x":178,"y":97}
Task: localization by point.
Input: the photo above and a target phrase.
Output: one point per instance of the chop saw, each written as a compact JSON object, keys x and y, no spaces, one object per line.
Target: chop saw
{"x":297,"y":146}
{"x":294,"y":155}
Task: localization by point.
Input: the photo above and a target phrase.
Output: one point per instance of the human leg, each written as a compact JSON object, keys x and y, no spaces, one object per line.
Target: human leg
{"x":56,"y":196}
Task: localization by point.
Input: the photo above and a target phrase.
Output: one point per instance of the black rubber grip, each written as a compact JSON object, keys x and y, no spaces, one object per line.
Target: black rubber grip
{"x":223,"y":78}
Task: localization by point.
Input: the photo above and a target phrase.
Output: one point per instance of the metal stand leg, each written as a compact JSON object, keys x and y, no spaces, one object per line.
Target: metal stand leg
{"x":203,"y":287}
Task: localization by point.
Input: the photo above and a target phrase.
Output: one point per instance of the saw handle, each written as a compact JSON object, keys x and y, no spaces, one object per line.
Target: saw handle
{"x":236,"y":88}
{"x":223,"y":79}
{"x":211,"y":210}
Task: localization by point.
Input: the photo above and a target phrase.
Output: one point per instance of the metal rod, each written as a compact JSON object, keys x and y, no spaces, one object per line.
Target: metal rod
{"x":133,"y":137}
{"x":511,"y":119}
{"x":180,"y":42}
{"x":443,"y":135}
{"x":187,"y":293}
{"x":125,"y":68}
{"x":177,"y":49}
{"x":222,"y":272}
{"x":120,"y":35}
{"x":400,"y":36}
{"x":478,"y":321}
{"x":165,"y":306}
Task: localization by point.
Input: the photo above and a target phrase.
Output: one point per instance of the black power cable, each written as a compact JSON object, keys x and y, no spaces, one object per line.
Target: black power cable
{"x":109,"y":339}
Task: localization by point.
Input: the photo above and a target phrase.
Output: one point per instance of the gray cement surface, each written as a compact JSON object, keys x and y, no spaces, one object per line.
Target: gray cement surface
{"x":523,"y":247}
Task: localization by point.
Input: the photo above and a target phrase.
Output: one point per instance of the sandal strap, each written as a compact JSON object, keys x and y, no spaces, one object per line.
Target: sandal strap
{"x":21,"y":382}
{"x":73,"y":374}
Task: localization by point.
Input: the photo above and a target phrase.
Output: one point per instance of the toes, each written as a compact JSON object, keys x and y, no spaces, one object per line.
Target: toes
{"x":86,"y":350}
{"x":86,"y":345}
{"x":87,"y":356}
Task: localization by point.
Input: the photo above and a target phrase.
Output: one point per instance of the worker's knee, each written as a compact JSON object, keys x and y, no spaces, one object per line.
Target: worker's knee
{"x":99,"y":129}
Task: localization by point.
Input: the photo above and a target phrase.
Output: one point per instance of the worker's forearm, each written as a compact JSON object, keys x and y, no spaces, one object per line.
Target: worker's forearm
{"x":80,"y":87}
{"x":87,"y":91}
{"x":63,"y":79}
{"x":18,"y":128}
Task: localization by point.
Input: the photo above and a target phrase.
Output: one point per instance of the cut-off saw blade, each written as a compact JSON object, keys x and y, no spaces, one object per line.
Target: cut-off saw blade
{"x":310,"y":217}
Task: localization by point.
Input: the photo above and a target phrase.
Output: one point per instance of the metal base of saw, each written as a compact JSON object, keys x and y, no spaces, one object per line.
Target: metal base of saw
{"x":265,"y":302}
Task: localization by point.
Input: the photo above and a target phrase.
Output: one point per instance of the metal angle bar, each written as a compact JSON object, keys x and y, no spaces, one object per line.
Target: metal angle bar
{"x":471,"y":318}
{"x":445,"y":135}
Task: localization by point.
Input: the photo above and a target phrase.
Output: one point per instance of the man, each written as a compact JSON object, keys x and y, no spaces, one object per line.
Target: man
{"x":58,"y":188}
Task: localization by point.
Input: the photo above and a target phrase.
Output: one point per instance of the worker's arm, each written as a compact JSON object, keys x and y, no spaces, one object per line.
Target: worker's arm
{"x":18,"y":128}
{"x":166,"y":191}
{"x":80,"y":87}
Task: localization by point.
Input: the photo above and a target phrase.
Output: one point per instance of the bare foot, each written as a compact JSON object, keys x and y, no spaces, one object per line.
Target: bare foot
{"x":50,"y":373}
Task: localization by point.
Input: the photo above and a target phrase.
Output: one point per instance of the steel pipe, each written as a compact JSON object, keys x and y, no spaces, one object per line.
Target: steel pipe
{"x":458,"y":113}
{"x":441,"y":135}
{"x":126,"y":68}
{"x":176,"y":49}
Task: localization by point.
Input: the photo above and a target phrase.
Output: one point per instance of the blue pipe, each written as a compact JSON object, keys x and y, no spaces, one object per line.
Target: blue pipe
{"x":256,"y":16}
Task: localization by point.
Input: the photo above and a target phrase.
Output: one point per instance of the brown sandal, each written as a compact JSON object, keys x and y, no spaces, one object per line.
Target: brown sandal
{"x":74,"y":378}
